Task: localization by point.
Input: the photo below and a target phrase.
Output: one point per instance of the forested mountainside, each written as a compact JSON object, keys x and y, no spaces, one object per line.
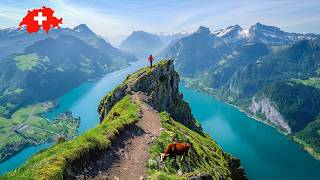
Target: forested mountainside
{"x":43,"y":67}
{"x":13,"y":40}
{"x":142,"y":43}
{"x":271,"y":74}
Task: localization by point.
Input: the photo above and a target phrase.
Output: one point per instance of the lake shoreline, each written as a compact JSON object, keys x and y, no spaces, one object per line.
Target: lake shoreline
{"x":20,"y":157}
{"x":303,"y":145}
{"x":15,"y":149}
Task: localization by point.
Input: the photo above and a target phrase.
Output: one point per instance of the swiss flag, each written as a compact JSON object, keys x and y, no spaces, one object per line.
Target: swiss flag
{"x":38,"y":18}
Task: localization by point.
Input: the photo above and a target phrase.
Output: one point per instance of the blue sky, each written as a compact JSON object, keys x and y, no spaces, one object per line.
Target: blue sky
{"x":116,"y":19}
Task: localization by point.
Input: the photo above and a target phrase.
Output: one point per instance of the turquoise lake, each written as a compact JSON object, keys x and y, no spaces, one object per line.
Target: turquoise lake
{"x":264,"y":152}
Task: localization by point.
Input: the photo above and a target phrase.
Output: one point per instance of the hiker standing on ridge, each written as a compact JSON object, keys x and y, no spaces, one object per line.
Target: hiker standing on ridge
{"x":150,"y":58}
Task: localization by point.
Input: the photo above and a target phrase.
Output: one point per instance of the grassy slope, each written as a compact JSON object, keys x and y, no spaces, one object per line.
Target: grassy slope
{"x":205,"y":156}
{"x":9,"y":92}
{"x":53,"y":162}
{"x":129,"y":80}
{"x":313,"y":81}
{"x":29,"y":61}
{"x":27,"y":127}
{"x":309,"y":138}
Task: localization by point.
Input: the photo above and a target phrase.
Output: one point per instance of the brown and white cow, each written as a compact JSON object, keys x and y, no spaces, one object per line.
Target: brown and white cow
{"x":175,"y":149}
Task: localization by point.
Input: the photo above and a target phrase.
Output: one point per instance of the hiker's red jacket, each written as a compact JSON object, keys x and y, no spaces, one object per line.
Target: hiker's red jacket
{"x":150,"y":58}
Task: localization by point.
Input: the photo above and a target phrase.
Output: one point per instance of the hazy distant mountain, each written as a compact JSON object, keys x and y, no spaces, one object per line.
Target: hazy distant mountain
{"x":196,"y":52}
{"x":236,"y":35}
{"x":85,"y":34}
{"x":167,"y":38}
{"x":142,"y":43}
{"x":15,"y":41}
{"x":49,"y":68}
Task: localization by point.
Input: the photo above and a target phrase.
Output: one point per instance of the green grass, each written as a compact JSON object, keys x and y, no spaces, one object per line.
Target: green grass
{"x":205,"y":156}
{"x":54,"y":162}
{"x":9,"y":92}
{"x":60,"y":69}
{"x":314,"y":82}
{"x":18,"y":90}
{"x":3,"y":110}
{"x":26,"y":127}
{"x":318,"y":71}
{"x":27,"y":62}
{"x":130,"y":80}
{"x":145,"y":71}
{"x":10,"y":105}
{"x":309,"y":138}
{"x":307,"y":147}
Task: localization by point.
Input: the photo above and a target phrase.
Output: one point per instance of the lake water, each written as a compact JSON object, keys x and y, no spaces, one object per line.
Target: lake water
{"x":82,"y":102}
{"x":264,"y":152}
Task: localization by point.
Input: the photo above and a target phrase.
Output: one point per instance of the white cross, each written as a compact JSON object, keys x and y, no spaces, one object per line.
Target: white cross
{"x":40,"y":18}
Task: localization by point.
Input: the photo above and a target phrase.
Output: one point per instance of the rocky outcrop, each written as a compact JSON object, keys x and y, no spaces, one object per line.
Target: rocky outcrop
{"x":265,"y":107}
{"x":161,"y":85}
{"x":237,"y":171}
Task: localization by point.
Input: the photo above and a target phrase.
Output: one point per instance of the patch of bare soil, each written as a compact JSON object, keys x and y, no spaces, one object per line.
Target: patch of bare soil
{"x":127,"y":156}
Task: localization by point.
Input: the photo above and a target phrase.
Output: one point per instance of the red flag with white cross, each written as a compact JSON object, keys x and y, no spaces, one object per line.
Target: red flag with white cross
{"x":37,"y":18}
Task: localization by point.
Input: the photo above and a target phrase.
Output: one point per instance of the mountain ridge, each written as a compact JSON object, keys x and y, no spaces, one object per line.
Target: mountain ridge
{"x":236,"y":35}
{"x":142,"y":43}
{"x":50,"y":67}
{"x":9,"y":38}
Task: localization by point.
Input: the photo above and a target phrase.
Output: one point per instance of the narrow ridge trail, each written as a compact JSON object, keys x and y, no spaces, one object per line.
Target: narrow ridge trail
{"x":125,"y":160}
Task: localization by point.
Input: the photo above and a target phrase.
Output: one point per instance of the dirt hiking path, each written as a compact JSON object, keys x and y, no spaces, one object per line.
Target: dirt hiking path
{"x":125,"y":160}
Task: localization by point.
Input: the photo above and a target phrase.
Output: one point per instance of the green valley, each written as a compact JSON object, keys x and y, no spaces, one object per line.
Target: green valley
{"x":27,"y":127}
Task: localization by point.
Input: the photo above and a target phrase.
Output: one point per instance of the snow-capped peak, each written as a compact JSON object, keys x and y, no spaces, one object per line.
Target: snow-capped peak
{"x":83,"y":28}
{"x":235,"y":35}
{"x":245,"y":33}
{"x":231,"y":29}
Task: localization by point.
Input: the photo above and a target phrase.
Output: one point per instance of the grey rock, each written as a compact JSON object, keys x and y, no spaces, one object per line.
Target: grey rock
{"x":161,"y":85}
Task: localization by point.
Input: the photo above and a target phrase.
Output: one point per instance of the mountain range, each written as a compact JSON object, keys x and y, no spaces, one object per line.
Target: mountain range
{"x":269,"y":73}
{"x":143,"y":43}
{"x":40,"y":67}
{"x":236,"y":35}
{"x":13,"y":40}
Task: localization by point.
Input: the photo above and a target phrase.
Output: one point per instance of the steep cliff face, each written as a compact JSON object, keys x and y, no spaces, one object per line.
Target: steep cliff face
{"x":161,"y":85}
